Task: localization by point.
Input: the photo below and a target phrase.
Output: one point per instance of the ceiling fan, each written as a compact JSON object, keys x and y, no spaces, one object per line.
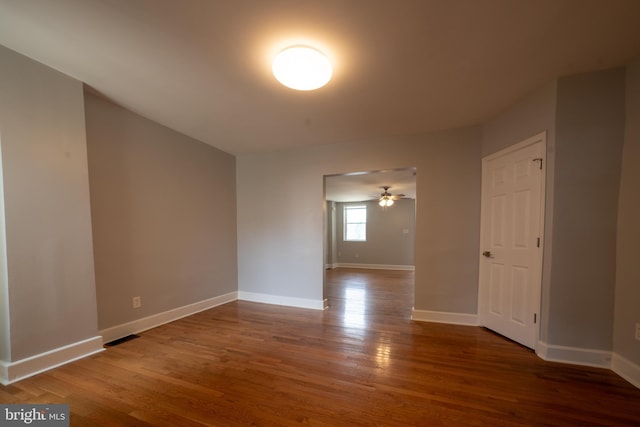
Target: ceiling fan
{"x":387,"y":199}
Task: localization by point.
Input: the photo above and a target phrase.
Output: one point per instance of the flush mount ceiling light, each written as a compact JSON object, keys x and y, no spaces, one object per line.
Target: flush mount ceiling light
{"x":302,"y":68}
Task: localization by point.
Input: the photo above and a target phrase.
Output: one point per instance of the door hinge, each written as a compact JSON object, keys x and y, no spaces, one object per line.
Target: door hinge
{"x":539,"y":159}
{"x":535,"y":317}
{"x":538,"y":242}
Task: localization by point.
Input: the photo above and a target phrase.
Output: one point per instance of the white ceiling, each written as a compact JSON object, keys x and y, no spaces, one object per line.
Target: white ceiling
{"x":202,"y":67}
{"x":357,"y":187}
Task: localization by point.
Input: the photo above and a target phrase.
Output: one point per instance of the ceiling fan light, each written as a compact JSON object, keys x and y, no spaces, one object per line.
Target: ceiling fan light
{"x":302,"y":68}
{"x":385,"y":201}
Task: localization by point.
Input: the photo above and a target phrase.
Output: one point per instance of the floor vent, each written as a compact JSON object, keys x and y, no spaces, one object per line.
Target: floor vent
{"x":121,"y":340}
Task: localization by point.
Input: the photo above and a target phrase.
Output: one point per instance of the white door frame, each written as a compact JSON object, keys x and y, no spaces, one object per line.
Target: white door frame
{"x":482,"y":294}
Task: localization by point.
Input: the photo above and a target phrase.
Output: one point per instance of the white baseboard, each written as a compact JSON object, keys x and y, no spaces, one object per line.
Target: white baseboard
{"x":21,"y":369}
{"x":626,"y":369}
{"x":330,"y":266}
{"x":280,"y":300}
{"x":155,"y":320}
{"x":445,"y":317}
{"x":574,"y":355}
{"x":376,"y":266}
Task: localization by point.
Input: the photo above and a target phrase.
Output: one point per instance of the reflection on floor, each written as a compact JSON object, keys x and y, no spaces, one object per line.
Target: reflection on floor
{"x":354,"y":308}
{"x":367,"y":297}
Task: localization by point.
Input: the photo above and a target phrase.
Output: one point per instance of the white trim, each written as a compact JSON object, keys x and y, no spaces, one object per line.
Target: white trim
{"x":331,"y":266}
{"x":155,"y":320}
{"x":574,"y":355}
{"x":626,"y":369}
{"x":376,"y":266}
{"x":445,"y":317}
{"x":281,"y":300}
{"x":354,"y":206}
{"x":21,"y":369}
{"x":4,"y":373}
{"x":5,"y":321}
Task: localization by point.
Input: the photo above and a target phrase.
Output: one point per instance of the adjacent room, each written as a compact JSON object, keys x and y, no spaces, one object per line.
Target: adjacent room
{"x":434,"y":223}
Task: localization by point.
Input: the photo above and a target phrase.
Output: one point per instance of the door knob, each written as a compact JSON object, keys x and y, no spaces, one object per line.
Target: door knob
{"x":486,"y":254}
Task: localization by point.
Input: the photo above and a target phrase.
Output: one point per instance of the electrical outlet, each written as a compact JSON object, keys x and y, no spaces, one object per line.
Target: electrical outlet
{"x":137,"y":302}
{"x":638,"y":331}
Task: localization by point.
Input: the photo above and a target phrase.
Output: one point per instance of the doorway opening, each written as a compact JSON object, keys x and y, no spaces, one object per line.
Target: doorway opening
{"x":369,"y":225}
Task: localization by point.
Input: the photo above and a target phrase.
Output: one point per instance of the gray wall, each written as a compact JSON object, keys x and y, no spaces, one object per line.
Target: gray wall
{"x":280,"y":243}
{"x":331,"y":244}
{"x":164,"y":215}
{"x":529,"y":116}
{"x":5,"y":332}
{"x":46,"y":205}
{"x":589,"y":140}
{"x":386,"y":243}
{"x":627,"y":296}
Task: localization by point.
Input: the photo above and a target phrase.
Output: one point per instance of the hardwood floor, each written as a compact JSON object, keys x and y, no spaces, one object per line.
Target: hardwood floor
{"x":361,"y":362}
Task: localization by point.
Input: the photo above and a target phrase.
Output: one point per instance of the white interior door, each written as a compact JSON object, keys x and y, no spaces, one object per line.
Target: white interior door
{"x":511,"y":240}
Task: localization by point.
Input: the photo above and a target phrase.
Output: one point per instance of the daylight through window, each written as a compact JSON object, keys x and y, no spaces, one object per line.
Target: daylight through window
{"x":355,"y":223}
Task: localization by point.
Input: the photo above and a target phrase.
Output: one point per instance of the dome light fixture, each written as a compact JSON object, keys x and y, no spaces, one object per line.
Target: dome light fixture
{"x":302,"y":68}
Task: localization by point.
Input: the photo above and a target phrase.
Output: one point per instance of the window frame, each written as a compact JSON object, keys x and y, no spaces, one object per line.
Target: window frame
{"x":345,"y":224}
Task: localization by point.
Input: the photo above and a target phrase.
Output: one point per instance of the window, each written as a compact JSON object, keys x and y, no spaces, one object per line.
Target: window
{"x":355,"y":223}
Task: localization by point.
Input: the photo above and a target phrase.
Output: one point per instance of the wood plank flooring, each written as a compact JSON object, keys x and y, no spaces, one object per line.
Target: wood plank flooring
{"x":361,"y":362}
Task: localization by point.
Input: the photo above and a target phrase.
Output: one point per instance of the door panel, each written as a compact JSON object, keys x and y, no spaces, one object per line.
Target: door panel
{"x":519,"y":294}
{"x":511,"y":259}
{"x":496,"y":288}
{"x":498,"y":205}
